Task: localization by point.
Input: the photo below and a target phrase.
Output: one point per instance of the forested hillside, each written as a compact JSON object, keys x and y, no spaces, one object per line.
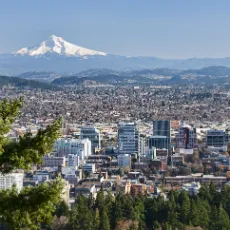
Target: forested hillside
{"x":23,"y":83}
{"x":209,"y":210}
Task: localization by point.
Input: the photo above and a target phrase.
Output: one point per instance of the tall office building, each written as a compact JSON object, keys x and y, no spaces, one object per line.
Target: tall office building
{"x":142,"y":141}
{"x":128,"y":138}
{"x":162,"y":128}
{"x":93,"y":135}
{"x":159,"y":142}
{"x":186,"y":138}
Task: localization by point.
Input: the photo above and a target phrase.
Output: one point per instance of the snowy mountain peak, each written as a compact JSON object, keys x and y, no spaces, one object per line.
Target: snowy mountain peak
{"x":59,"y":46}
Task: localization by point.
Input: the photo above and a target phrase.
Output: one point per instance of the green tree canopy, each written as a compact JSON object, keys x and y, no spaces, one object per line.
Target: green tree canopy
{"x":32,"y":206}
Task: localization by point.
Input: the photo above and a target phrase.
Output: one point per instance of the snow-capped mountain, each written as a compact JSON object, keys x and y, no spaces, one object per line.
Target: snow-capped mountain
{"x":59,"y":46}
{"x":59,"y":56}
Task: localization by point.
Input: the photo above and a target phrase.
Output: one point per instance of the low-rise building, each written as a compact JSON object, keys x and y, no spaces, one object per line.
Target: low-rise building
{"x":41,"y":176}
{"x":89,"y":167}
{"x":216,"y":140}
{"x":10,"y":179}
{"x":177,"y":159}
{"x":73,"y":160}
{"x":85,"y":189}
{"x":124,"y":160}
{"x":52,"y":161}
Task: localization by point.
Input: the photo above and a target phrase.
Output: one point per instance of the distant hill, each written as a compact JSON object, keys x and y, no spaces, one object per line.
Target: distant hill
{"x":100,"y":78}
{"x":209,"y":75}
{"x":39,"y":75}
{"x":104,"y":76}
{"x":209,"y":71}
{"x":23,"y":83}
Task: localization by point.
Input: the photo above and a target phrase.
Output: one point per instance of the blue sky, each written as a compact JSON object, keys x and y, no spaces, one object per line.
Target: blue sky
{"x":163,"y":28}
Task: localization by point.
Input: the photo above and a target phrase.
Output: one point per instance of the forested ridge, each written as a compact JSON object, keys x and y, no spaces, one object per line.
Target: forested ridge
{"x":24,"y":83}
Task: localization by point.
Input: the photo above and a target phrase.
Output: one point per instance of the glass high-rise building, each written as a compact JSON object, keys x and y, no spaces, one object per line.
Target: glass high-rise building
{"x":162,"y":128}
{"x":128,"y":138}
{"x":159,"y":142}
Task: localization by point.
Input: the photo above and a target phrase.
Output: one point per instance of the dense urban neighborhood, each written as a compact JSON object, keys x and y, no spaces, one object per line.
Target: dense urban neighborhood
{"x":128,"y":144}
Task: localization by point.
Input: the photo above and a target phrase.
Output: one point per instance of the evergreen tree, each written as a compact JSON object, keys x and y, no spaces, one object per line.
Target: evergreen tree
{"x":109,"y":204}
{"x":223,"y":222}
{"x":96,"y":222}
{"x":203,"y":209}
{"x":91,"y":201}
{"x":225,"y":196}
{"x":150,"y":219}
{"x":167,"y":226}
{"x":32,"y":206}
{"x":156,"y":225}
{"x":204,"y":193}
{"x":185,"y":207}
{"x":215,"y":195}
{"x":62,"y":209}
{"x":194,"y":214}
{"x":139,"y":212}
{"x":118,"y":211}
{"x":104,"y":220}
{"x":128,"y":210}
{"x":81,"y":217}
{"x":99,"y":203}
{"x":179,"y":212}
{"x":214,"y":217}
{"x":173,"y":215}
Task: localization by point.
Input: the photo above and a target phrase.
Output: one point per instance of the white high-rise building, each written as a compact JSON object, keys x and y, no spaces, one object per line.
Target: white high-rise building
{"x":128,"y":138}
{"x":8,"y":180}
{"x":93,"y":135}
{"x":82,"y":147}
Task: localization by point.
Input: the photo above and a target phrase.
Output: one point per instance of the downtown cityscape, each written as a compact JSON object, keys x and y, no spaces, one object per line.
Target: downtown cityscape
{"x":101,"y":140}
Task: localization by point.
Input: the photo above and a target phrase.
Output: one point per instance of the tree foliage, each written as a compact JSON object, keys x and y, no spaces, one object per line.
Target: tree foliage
{"x":32,"y":206}
{"x":29,"y":149}
{"x":179,"y":211}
